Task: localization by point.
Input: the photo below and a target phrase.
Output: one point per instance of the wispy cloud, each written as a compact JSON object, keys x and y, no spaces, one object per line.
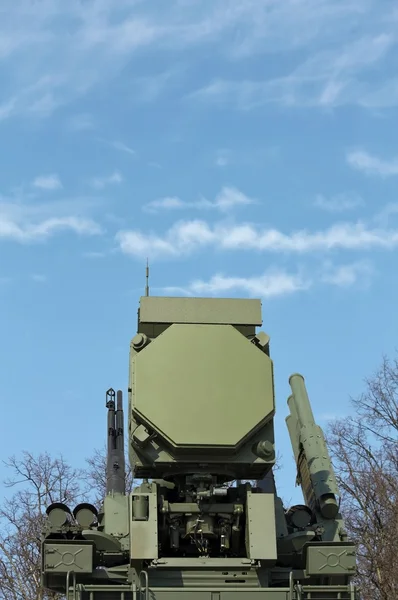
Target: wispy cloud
{"x":167,"y":203}
{"x":275,"y":281}
{"x":59,"y":51}
{"x":329,"y":78}
{"x":33,"y":222}
{"x":47,"y":182}
{"x":338,"y":203}
{"x":154,"y":165}
{"x":38,"y":277}
{"x":226,"y":199}
{"x":371,"y":164}
{"x":81,"y":122}
{"x":149,"y":88}
{"x":383,"y":218}
{"x":94,"y":254}
{"x":101,"y":182}
{"x":7,"y":109}
{"x":251,"y":155}
{"x":123,"y":148}
{"x":39,"y":98}
{"x":28,"y":232}
{"x":347,"y":275}
{"x":223,"y":157}
{"x":267,"y":285}
{"x":185,"y":237}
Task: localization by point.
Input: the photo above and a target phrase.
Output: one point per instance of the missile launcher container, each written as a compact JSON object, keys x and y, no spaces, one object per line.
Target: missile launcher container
{"x":204,"y":521}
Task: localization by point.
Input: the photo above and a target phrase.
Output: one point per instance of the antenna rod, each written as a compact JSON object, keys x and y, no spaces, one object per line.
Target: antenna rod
{"x":147,"y":279}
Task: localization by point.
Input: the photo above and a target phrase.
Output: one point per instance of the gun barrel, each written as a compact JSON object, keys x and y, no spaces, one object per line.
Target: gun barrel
{"x":115,"y":464}
{"x":120,"y":437}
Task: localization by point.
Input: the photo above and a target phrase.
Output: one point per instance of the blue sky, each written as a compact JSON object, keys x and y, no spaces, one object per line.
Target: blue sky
{"x":247,"y":147}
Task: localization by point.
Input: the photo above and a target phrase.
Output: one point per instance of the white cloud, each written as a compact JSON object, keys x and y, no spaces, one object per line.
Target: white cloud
{"x":33,"y":232}
{"x":32,"y":222}
{"x":338,"y":203}
{"x":347,"y":275}
{"x":267,"y":285}
{"x":226,"y":199}
{"x":185,"y":237}
{"x":101,"y":182}
{"x":372,"y":165}
{"x":275,"y":282}
{"x":47,"y":182}
{"x":230,"y":197}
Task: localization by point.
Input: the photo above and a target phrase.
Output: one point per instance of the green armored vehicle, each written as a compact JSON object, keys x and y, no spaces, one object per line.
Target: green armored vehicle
{"x":200,"y":426}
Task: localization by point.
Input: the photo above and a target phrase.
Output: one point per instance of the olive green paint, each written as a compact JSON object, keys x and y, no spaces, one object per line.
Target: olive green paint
{"x":201,"y":408}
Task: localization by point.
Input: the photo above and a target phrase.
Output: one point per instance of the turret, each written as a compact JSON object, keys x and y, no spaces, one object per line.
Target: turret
{"x":201,"y":407}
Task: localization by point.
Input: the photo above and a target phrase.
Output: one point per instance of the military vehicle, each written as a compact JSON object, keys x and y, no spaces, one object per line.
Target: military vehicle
{"x":205,"y":521}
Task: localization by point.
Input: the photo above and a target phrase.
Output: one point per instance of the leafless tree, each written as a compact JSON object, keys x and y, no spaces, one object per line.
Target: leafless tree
{"x":365,"y":454}
{"x":40,"y":481}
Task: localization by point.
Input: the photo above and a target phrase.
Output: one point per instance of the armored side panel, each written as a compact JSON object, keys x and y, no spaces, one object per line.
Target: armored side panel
{"x":261,"y":533}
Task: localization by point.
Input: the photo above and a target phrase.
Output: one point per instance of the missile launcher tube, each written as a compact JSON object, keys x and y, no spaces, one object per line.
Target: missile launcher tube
{"x":292,"y":422}
{"x":311,"y":450}
{"x":301,"y":400}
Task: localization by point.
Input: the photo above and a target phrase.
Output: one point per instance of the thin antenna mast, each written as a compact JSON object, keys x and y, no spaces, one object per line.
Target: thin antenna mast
{"x":147,"y":279}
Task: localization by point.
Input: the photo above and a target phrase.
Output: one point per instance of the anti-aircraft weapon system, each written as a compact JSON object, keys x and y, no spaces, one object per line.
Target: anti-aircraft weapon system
{"x":200,"y":435}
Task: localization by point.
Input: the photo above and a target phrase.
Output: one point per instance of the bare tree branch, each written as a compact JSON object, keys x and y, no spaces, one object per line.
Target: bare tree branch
{"x":39,"y":482}
{"x":365,"y":453}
